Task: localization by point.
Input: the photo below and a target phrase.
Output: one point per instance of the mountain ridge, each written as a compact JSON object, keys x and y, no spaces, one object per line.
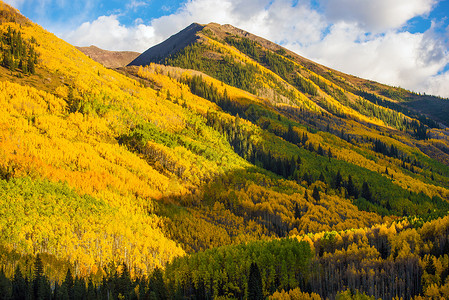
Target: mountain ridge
{"x":109,"y":59}
{"x":396,"y":97}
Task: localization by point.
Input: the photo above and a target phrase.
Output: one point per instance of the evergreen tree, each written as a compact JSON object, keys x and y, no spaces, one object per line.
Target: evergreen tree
{"x":316,"y":194}
{"x":290,"y":134}
{"x":39,"y":279}
{"x":304,"y":138}
{"x":68,"y":283}
{"x":321,"y":178}
{"x":5,"y":286}
{"x":338,"y":180}
{"x":255,"y":291}
{"x":297,"y":211}
{"x":79,"y":288}
{"x":320,"y":150}
{"x":430,"y":266}
{"x":158,"y":285}
{"x":19,"y":286}
{"x":125,"y":284}
{"x":31,"y":66}
{"x":307,"y":178}
{"x":350,"y":187}
{"x":366,"y":193}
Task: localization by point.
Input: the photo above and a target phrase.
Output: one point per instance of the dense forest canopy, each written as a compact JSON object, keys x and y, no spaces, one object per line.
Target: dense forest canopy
{"x":232,"y":168}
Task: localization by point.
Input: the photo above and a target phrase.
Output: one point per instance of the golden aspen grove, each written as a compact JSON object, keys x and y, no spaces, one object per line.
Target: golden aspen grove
{"x":231,"y":168}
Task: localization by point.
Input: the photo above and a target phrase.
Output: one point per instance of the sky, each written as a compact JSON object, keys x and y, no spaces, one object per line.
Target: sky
{"x":397,"y":42}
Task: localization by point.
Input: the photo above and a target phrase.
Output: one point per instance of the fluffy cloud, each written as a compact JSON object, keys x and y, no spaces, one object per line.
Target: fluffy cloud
{"x":397,"y":58}
{"x":378,"y":15}
{"x":362,"y":37}
{"x":107,"y":32}
{"x":278,"y":20}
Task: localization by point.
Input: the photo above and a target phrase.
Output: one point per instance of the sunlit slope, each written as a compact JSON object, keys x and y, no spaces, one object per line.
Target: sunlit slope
{"x":281,"y":76}
{"x":395,"y":156}
{"x":145,"y":165}
{"x":94,"y":165}
{"x":347,"y":142}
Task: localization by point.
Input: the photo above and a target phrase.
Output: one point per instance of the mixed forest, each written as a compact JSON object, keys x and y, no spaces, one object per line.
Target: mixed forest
{"x":231,"y":169}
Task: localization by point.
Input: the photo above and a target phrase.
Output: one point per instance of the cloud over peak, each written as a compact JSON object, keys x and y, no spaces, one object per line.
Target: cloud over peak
{"x":362,"y":37}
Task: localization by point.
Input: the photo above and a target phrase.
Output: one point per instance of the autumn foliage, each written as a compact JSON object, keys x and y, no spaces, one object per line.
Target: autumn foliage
{"x":177,"y":179}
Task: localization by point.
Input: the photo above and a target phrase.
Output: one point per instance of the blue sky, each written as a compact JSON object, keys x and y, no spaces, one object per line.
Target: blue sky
{"x":401,"y":42}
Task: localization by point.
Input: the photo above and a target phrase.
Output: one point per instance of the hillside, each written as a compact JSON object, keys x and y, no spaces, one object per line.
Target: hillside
{"x":218,"y":155}
{"x":109,"y":59}
{"x":286,"y":64}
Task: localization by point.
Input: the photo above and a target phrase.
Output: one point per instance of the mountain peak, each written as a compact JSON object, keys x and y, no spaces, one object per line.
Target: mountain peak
{"x":172,"y":45}
{"x":191,"y":34}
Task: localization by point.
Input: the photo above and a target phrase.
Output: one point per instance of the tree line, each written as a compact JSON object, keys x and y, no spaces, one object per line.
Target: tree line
{"x":407,"y":259}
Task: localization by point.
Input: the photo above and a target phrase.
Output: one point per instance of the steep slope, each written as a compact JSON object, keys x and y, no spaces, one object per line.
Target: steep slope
{"x":109,"y":59}
{"x":100,"y":168}
{"x":296,"y":70}
{"x":170,"y":46}
{"x":97,"y":167}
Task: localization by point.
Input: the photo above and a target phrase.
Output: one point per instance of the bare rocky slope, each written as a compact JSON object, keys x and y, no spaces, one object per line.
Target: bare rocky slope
{"x":109,"y":59}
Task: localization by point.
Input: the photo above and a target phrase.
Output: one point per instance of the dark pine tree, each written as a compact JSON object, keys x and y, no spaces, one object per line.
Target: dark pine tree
{"x":316,"y":194}
{"x":255,"y":291}
{"x":19,"y":286}
{"x":5,"y":286}
{"x":320,"y":150}
{"x":158,"y":285}
{"x":39,"y":280}
{"x":125,"y":284}
{"x":67,"y":285}
{"x":91,"y":291}
{"x":366,"y":193}
{"x":430,"y":266}
{"x":79,"y":288}
{"x":338,"y":180}
{"x":350,"y":187}
{"x":297,"y":211}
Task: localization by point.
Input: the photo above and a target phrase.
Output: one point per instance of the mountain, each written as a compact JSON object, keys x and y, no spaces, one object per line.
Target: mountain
{"x":235,"y":168}
{"x":195,"y":40}
{"x":169,"y":46}
{"x":109,"y":59}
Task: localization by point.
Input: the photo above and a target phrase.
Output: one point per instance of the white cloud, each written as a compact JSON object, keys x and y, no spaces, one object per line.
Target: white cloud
{"x":107,"y":32}
{"x":276,"y":20}
{"x":437,"y":85}
{"x":135,"y":4}
{"x":362,"y":37}
{"x":396,"y":58}
{"x":378,"y":15}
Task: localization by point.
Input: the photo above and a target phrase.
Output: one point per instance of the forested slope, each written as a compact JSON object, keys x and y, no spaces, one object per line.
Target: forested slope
{"x":157,"y":166}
